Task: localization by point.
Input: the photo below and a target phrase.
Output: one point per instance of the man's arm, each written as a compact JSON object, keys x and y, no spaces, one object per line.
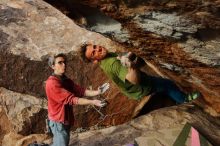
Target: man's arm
{"x":133,"y":75}
{"x":92,"y":92}
{"x":84,"y":101}
{"x":129,"y":60}
{"x":61,"y":95}
{"x":101,"y":89}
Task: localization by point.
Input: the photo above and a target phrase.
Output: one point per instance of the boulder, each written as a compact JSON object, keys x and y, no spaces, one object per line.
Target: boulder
{"x":30,"y":32}
{"x":14,"y":139}
{"x":25,"y":114}
{"x":178,"y":48}
{"x":158,"y":124}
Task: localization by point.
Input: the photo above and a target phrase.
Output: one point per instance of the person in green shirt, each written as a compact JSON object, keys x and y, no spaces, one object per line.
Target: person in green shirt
{"x":127,"y":76}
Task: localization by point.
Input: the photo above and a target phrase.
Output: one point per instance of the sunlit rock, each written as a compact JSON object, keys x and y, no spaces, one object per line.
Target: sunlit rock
{"x":177,"y":40}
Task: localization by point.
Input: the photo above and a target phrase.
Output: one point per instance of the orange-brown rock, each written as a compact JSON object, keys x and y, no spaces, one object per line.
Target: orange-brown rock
{"x":186,"y":50}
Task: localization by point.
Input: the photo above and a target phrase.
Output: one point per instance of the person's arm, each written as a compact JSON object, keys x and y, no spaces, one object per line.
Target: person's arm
{"x":133,"y":73}
{"x":92,"y":92}
{"x":61,"y":95}
{"x":101,"y":89}
{"x":84,"y":101}
{"x":85,"y":92}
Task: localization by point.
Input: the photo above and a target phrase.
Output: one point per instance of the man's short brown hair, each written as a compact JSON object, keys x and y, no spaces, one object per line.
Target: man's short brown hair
{"x":51,"y":60}
{"x":82,"y":52}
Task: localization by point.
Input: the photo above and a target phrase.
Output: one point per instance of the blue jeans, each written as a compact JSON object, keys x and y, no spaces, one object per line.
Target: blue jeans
{"x":61,"y":133}
{"x":169,"y":88}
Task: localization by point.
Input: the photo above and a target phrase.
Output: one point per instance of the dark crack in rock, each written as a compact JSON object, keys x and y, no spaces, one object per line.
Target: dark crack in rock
{"x":4,"y":44}
{"x":171,"y":67}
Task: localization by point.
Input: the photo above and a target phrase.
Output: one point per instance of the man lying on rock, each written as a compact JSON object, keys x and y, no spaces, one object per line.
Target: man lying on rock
{"x":125,"y":73}
{"x":62,"y":94}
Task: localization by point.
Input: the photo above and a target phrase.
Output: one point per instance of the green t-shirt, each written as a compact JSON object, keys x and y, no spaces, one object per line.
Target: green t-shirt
{"x":117,"y":73}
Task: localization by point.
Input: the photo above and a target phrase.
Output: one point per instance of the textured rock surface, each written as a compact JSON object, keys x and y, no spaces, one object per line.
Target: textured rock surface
{"x":5,"y":126}
{"x":30,"y":31}
{"x":178,"y":37}
{"x":144,"y":126}
{"x":25,"y":113}
{"x":187,"y":52}
{"x":19,"y":20}
{"x":13,"y":139}
{"x":153,"y":123}
{"x":168,"y":25}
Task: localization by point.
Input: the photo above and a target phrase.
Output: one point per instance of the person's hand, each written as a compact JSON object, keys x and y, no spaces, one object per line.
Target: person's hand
{"x":99,"y":103}
{"x":125,"y":59}
{"x":103,"y":88}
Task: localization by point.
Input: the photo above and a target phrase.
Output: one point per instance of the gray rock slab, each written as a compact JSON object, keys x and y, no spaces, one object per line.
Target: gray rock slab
{"x":207,"y":52}
{"x":34,"y":28}
{"x":165,"y":24}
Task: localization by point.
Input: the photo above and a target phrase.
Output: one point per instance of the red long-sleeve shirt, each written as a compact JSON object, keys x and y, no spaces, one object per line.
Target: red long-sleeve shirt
{"x":62,"y":95}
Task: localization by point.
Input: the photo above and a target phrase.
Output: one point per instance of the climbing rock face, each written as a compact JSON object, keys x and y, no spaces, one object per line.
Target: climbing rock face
{"x":30,"y":32}
{"x":177,"y":40}
{"x":27,"y":40}
{"x":181,"y":38}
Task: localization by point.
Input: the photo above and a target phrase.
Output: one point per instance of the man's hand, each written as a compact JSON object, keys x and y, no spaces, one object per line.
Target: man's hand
{"x":103,"y":88}
{"x":127,"y":59}
{"x":98,"y":103}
